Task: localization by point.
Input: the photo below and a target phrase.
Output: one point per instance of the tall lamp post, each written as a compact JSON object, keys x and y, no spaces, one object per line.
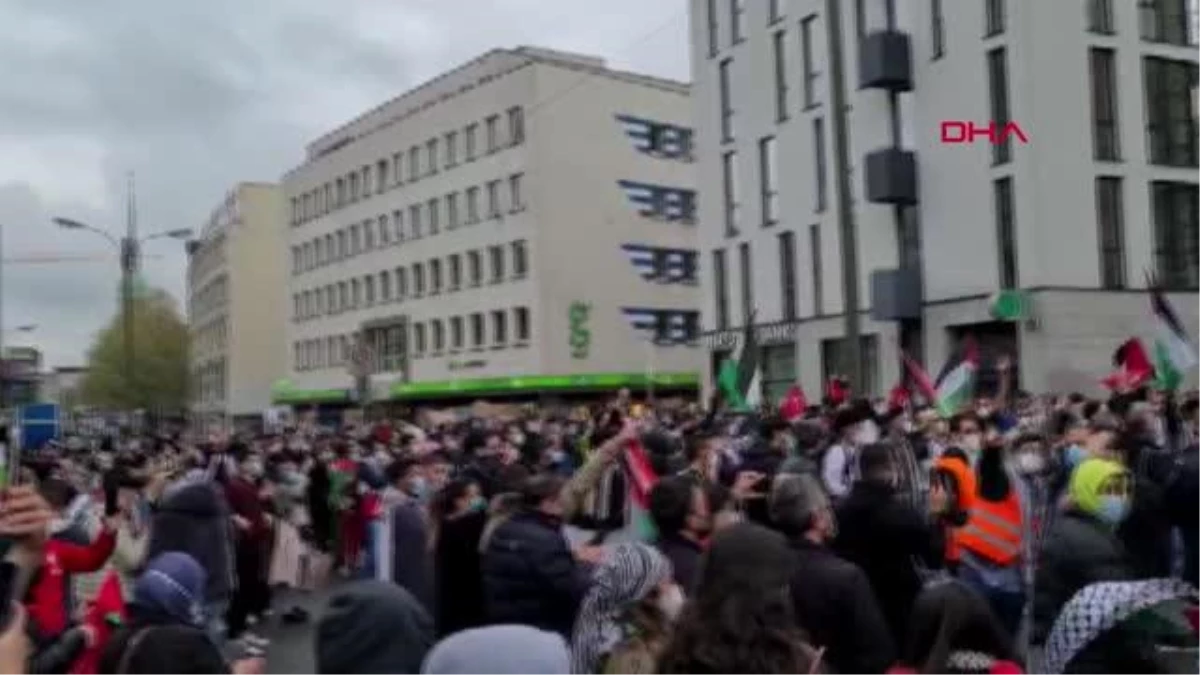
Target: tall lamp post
{"x":128,"y":247}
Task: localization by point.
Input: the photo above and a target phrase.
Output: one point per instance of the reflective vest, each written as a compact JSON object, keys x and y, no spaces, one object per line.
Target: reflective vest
{"x":964,"y":479}
{"x":994,"y":530}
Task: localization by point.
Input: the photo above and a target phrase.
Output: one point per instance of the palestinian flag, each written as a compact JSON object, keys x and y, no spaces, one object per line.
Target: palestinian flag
{"x":1174,"y":353}
{"x":794,"y":404}
{"x":1133,"y":367}
{"x":956,"y":384}
{"x":641,"y":481}
{"x":920,"y":379}
{"x":740,"y":380}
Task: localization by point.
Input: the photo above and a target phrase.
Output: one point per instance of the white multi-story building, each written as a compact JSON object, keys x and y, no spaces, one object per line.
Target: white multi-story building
{"x":236,"y":300}
{"x":522,"y":224}
{"x":1068,"y":223}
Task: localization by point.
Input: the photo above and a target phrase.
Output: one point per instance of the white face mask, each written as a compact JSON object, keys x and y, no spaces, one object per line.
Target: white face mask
{"x":1030,"y":462}
{"x":866,"y":433}
{"x":972,"y":442}
{"x":670,"y":602}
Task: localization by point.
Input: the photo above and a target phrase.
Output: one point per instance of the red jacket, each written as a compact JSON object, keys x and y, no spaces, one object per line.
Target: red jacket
{"x":47,"y":599}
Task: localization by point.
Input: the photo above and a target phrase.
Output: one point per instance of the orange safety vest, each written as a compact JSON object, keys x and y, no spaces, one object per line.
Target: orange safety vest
{"x":964,"y":478}
{"x":994,"y":530}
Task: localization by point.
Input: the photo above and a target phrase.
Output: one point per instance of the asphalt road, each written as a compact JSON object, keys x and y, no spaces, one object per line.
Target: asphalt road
{"x":291,"y":649}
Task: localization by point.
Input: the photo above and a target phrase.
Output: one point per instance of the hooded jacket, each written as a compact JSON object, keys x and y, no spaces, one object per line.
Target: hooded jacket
{"x":373,"y":627}
{"x":195,"y":519}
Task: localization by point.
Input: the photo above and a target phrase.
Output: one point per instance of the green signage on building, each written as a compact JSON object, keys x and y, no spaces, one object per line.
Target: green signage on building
{"x":580,"y":337}
{"x":286,"y":392}
{"x":533,"y":384}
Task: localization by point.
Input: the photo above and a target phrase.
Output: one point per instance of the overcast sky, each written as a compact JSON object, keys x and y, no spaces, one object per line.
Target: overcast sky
{"x":196,"y":96}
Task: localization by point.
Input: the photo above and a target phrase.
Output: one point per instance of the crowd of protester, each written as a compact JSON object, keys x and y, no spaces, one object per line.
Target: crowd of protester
{"x":1021,"y":534}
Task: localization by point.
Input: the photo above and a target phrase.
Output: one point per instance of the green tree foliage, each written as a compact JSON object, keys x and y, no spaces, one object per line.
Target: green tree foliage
{"x":160,"y":363}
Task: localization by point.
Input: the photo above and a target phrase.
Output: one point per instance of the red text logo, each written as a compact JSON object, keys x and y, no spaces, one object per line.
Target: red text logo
{"x":963,"y":131}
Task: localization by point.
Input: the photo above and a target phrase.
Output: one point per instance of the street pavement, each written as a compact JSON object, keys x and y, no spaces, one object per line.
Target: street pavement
{"x":291,"y":649}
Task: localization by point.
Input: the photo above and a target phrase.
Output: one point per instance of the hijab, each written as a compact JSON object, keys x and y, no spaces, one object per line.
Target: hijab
{"x":628,"y":574}
{"x":500,"y":649}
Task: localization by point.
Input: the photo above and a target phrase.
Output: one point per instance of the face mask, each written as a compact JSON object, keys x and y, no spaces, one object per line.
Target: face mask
{"x":478,"y":503}
{"x":866,"y":434}
{"x":557,"y":456}
{"x":517,"y":439}
{"x":1113,"y":509}
{"x":1074,"y":455}
{"x":418,"y":487}
{"x":254,"y":469}
{"x":972,"y":442}
{"x":1030,"y":462}
{"x":670,"y":602}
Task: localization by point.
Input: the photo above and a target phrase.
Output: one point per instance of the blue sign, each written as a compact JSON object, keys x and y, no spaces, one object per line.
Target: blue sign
{"x":39,"y":425}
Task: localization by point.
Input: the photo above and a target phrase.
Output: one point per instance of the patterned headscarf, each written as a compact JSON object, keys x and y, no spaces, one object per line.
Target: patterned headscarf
{"x":172,"y":586}
{"x":629,"y":573}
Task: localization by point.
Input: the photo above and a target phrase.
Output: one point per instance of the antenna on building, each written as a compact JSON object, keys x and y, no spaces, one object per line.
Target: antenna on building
{"x":131,"y":215}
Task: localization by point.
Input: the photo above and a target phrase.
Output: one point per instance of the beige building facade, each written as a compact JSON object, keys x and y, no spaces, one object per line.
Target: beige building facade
{"x":523,"y":224}
{"x":236,"y":314}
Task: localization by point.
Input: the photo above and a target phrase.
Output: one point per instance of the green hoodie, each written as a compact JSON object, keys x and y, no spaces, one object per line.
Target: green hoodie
{"x":1087,"y":480}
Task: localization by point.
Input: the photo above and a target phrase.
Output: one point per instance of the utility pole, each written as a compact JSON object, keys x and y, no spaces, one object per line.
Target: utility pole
{"x":841,"y":168}
{"x":129,"y":266}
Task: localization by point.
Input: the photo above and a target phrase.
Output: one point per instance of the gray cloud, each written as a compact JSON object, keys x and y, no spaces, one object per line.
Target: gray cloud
{"x":196,"y":96}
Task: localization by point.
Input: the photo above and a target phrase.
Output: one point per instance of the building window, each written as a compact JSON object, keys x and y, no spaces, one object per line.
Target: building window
{"x":860,"y":21}
{"x":1100,"y":17}
{"x":768,"y":176}
{"x":729,"y":182}
{"x":477,"y":330}
{"x":736,"y":9}
{"x":401,"y":283}
{"x":774,"y":11}
{"x":521,"y":324}
{"x":1106,"y":144}
{"x":819,"y":171}
{"x":516,"y":126}
{"x":720,"y":289}
{"x":713,"y":28}
{"x":418,"y":277}
{"x":368,"y":230}
{"x":455,"y":271}
{"x":997,"y":66}
{"x":993,"y":17}
{"x":355,"y":293}
{"x":369,"y":289}
{"x":331,"y":299}
{"x":381,"y":176}
{"x":493,"y":199}
{"x":499,"y":327}
{"x":475,"y":267}
{"x":456,"y":332}
{"x":496,"y":258}
{"x":1006,"y":231}
{"x":778,"y":373}
{"x":787,"y":275}
{"x":818,"y":273}
{"x":414,"y":221}
{"x":452,"y":210}
{"x":746,"y":271}
{"x":355,"y":240}
{"x":1110,"y":218}
{"x":779,"y":62}
{"x":492,"y":130}
{"x":431,"y":208}
{"x":353,"y":180}
{"x":472,"y":205}
{"x":439,"y":335}
{"x":520,"y":261}
{"x":414,"y":164}
{"x":515,"y":198}
{"x":1169,"y":21}
{"x":725,"y":84}
{"x":385,"y":286}
{"x":366,"y":180}
{"x":398,"y":168}
{"x":937,"y":28}
{"x":431,"y":156}
{"x":398,"y":224}
{"x":469,"y":140}
{"x":1176,"y":234}
{"x":418,"y":338}
{"x":385,"y":232}
{"x":834,"y":360}
{"x":435,"y":276}
{"x":451,"y":142}
{"x":1171,"y":111}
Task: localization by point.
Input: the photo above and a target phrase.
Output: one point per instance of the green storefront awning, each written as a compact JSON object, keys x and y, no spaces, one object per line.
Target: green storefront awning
{"x":533,"y":384}
{"x":284,"y":391}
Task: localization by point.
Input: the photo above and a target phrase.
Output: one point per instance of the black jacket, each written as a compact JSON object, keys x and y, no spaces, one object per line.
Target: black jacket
{"x":887,"y":538}
{"x":835,"y":605}
{"x":194,"y":518}
{"x":457,"y":561}
{"x":684,"y":555}
{"x":530,"y":576}
{"x":1078,"y":551}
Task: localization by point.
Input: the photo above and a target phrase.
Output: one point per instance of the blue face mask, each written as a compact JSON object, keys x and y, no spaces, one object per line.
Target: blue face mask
{"x":1113,"y":509}
{"x":418,"y":488}
{"x":478,"y":503}
{"x":1074,"y":455}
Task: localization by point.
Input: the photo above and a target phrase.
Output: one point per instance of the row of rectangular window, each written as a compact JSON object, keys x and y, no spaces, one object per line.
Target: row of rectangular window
{"x":432,"y":337}
{"x":788,"y":264}
{"x":390,"y":173}
{"x":424,"y":218}
{"x":389,"y":286}
{"x":768,"y":180}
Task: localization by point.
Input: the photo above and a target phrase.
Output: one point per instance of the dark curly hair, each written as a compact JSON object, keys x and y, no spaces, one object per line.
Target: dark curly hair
{"x":740,"y":619}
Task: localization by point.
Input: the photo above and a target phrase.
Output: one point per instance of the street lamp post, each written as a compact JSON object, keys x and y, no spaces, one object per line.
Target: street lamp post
{"x":129,"y":248}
